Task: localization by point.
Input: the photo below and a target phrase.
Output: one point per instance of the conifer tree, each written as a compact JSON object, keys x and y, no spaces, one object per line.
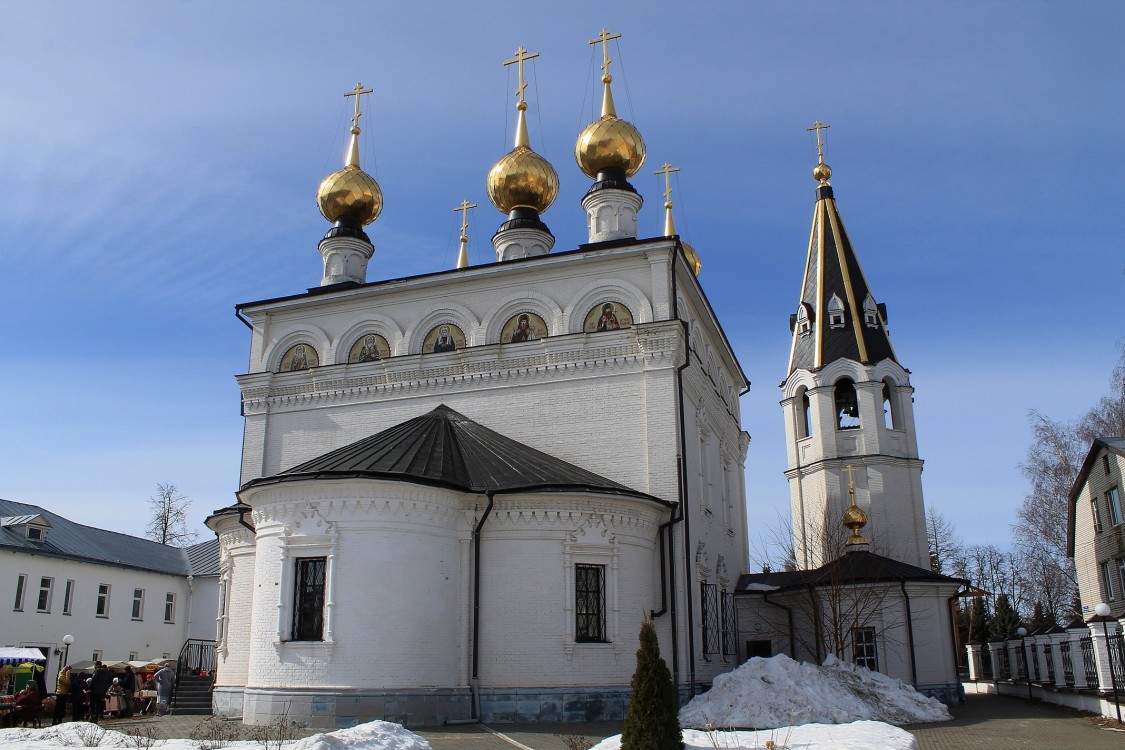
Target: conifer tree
{"x":652,"y":722}
{"x":1005,"y":619}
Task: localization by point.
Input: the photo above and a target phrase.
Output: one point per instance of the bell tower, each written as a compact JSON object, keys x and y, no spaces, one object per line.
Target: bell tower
{"x":847,"y":402}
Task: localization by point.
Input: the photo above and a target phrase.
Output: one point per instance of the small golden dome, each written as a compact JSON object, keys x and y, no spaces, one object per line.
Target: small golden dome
{"x":609,"y":143}
{"x":350,"y":193}
{"x":522,"y":179}
{"x":855,"y":519}
{"x":821,"y":172}
{"x":693,"y":261}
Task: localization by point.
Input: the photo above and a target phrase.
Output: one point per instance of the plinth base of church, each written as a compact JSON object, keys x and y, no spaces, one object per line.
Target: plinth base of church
{"x":227,"y":702}
{"x":530,"y":704}
{"x":951,"y":695}
{"x":338,"y":708}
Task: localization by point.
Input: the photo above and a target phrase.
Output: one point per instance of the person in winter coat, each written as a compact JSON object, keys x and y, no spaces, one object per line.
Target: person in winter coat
{"x":62,"y":695}
{"x":128,"y":687}
{"x":165,"y":679}
{"x":99,"y":686}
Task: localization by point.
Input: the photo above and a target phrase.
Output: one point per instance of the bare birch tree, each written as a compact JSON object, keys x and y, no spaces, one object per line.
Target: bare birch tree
{"x":168,"y":523}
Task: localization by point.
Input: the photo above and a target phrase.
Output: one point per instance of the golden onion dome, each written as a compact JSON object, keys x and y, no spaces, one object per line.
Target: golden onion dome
{"x":821,"y":172}
{"x":522,"y":179}
{"x":692,"y":259}
{"x":350,"y":194}
{"x":609,"y":143}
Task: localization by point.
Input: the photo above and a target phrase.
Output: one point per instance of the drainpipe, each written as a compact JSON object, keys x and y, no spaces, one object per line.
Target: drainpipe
{"x":474,"y":681}
{"x":661,"y":534}
{"x":910,"y":634}
{"x":682,"y":470}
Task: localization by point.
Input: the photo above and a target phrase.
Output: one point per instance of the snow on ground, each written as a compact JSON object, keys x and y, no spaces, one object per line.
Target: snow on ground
{"x":375,"y":735}
{"x":860,"y":735}
{"x":778,"y":692}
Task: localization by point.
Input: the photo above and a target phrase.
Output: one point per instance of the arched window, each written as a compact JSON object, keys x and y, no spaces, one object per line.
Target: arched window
{"x":804,"y":320}
{"x":891,"y":419}
{"x":804,"y":423}
{"x":835,"y":312}
{"x":847,"y":405}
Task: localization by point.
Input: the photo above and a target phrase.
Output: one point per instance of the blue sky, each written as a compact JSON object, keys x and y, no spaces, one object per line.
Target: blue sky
{"x":158,"y":164}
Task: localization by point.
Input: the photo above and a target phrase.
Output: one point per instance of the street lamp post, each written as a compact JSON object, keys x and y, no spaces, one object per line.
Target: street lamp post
{"x":1102,"y":611}
{"x":1022,"y":633}
{"x":67,"y":640}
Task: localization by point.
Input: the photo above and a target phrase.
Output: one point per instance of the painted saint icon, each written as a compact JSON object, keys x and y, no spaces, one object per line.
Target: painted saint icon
{"x":443,"y":338}
{"x":299,"y":357}
{"x":370,"y":348}
{"x":527,"y":326}
{"x":609,"y":316}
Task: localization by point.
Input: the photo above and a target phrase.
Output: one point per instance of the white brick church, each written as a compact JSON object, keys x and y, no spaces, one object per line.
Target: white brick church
{"x":463,"y":491}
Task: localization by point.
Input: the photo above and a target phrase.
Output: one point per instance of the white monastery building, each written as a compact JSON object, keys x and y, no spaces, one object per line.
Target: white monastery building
{"x":118,"y":596}
{"x":462,"y":492}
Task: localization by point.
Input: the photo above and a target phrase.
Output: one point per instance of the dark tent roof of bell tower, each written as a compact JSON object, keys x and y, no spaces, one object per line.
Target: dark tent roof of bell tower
{"x":447,"y":449}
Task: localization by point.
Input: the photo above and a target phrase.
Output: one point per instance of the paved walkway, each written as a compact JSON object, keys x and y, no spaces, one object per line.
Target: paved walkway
{"x":985,"y":721}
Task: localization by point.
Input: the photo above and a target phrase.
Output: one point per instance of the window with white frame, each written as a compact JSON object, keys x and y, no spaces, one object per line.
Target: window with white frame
{"x":1107,"y":580}
{"x":1121,"y":572}
{"x":45,"y":587}
{"x":134,"y":656}
{"x":103,"y":601}
{"x":804,"y":320}
{"x":169,"y":607}
{"x":589,"y":603}
{"x":1096,"y":514}
{"x":1113,"y":500}
{"x":864,"y":651}
{"x":835,"y":312}
{"x":138,"y":604}
{"x":68,"y":597}
{"x":21,"y":584}
{"x":96,"y":656}
{"x":308,"y":599}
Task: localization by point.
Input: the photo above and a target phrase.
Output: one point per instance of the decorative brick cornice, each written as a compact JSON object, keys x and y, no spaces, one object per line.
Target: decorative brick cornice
{"x":644,"y":347}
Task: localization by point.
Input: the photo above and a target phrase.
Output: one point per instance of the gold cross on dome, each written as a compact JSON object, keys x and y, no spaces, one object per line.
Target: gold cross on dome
{"x":464,"y":209}
{"x":357,"y":92}
{"x":851,"y":480}
{"x":818,"y":126}
{"x":667,"y":171}
{"x":521,"y":55}
{"x":604,"y":39}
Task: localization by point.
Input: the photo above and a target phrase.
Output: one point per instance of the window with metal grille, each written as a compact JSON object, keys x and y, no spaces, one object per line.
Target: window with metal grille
{"x":308,"y":599}
{"x":730,"y":626}
{"x":589,"y":603}
{"x":864,"y":653}
{"x":709,"y":598}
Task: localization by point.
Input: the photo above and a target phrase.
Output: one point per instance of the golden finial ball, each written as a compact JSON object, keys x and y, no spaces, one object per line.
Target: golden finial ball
{"x":692,"y":258}
{"x":350,"y":193}
{"x":609,"y":143}
{"x":821,"y":172}
{"x":522,"y":179}
{"x":854,"y":518}
{"x":355,"y":130}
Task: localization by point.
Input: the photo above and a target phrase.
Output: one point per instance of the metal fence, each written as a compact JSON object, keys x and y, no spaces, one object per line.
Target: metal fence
{"x":1116,"y":646}
{"x":1034,"y":670}
{"x":1068,"y":663}
{"x":1004,"y":667}
{"x":1088,"y":663}
{"x":1048,"y":654}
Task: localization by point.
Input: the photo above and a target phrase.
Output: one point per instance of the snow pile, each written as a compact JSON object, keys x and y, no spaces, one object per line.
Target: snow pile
{"x":778,"y":692}
{"x":375,"y":735}
{"x":860,"y":735}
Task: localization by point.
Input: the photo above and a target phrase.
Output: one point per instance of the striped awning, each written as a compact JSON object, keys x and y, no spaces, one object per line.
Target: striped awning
{"x":18,"y":655}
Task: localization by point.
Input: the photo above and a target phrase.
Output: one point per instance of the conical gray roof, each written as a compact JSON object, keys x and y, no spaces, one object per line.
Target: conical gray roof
{"x":445,"y":448}
{"x":833,"y":271}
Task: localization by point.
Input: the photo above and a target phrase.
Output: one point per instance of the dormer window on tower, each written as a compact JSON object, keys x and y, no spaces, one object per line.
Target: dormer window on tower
{"x":803,"y":322}
{"x":835,"y":312}
{"x":870,"y":312}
